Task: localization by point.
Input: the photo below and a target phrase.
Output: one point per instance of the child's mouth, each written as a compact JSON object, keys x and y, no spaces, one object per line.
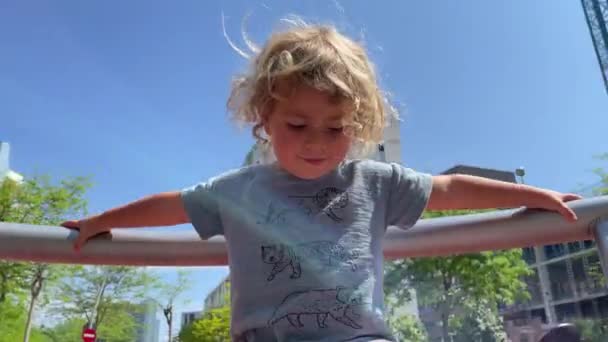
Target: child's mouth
{"x":314,"y":161}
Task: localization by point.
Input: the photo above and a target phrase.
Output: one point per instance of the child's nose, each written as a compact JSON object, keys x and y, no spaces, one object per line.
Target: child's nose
{"x":315,"y":138}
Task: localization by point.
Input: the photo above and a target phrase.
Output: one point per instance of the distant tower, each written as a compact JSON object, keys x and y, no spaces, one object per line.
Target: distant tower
{"x":596,"y":13}
{"x":5,"y":167}
{"x":4,"y":159}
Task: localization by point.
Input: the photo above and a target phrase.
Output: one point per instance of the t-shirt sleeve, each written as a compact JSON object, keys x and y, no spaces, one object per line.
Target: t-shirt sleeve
{"x":201,"y":205}
{"x":409,"y":193}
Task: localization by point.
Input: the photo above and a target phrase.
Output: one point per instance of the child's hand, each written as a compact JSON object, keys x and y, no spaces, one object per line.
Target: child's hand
{"x":554,"y":201}
{"x":87,"y":229}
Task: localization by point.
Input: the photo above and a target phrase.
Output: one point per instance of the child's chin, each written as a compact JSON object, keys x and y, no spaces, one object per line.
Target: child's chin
{"x":311,"y":172}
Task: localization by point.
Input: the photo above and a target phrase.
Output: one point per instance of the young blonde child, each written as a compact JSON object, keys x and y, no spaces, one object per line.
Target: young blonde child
{"x":304,"y":234}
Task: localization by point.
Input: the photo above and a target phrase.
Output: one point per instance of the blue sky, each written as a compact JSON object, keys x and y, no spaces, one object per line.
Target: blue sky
{"x":133,"y":94}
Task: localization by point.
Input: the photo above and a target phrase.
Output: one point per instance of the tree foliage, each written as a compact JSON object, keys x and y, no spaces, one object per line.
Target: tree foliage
{"x":36,"y":201}
{"x":13,"y":317}
{"x":98,"y":293}
{"x":463,"y":290}
{"x":593,"y":330}
{"x":120,"y":326}
{"x":214,"y":326}
{"x":407,"y":328}
{"x":602,"y":189}
{"x":69,"y":330}
{"x":168,"y":294}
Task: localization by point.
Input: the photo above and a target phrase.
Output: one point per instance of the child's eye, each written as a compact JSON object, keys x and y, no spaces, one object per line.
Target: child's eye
{"x":336,"y":129}
{"x":295,"y":127}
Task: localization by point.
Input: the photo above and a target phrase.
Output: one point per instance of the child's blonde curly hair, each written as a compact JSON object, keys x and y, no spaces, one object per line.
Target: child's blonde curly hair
{"x":320,"y":57}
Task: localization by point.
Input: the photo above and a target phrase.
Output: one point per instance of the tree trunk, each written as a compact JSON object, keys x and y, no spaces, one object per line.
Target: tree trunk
{"x":95,"y":315}
{"x":168,"y":312}
{"x":3,"y":282}
{"x":445,"y":308}
{"x":36,"y":287}
{"x":28,"y":324}
{"x":444,"y":327}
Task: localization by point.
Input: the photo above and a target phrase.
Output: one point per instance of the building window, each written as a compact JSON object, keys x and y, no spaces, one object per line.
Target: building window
{"x":554,"y":251}
{"x":558,"y":278}
{"x":528,"y":255}
{"x":593,"y":272}
{"x":533,"y":283}
{"x":602,"y":304}
{"x":565,"y":312}
{"x":574,"y":247}
{"x":539,"y":313}
{"x":587,"y":309}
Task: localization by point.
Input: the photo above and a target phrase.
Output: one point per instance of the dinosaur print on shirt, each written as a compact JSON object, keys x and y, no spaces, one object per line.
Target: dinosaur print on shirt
{"x":319,"y":255}
{"x":336,"y":303}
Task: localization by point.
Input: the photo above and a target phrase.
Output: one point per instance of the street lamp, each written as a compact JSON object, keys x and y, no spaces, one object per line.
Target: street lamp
{"x":543,"y":275}
{"x":521,"y":172}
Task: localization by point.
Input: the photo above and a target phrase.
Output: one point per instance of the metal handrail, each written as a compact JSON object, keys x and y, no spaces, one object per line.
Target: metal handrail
{"x":429,"y":237}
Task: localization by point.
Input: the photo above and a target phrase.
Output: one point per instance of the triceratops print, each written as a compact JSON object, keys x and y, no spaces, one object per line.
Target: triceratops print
{"x":337,"y":303}
{"x":328,"y":200}
{"x":317,"y":254}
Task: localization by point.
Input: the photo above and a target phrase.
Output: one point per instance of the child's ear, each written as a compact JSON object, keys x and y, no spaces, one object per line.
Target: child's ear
{"x":267,"y":129}
{"x":266,"y":124}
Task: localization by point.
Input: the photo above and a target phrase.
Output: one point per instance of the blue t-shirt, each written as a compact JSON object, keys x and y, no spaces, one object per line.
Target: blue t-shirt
{"x":305,"y":256}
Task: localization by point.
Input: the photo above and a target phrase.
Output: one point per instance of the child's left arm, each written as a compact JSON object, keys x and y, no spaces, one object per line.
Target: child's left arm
{"x":470,"y":192}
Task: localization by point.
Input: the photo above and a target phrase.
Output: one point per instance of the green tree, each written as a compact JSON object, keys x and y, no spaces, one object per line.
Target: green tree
{"x":13,"y":316}
{"x":593,"y":330}
{"x":461,"y":286}
{"x":12,"y":279}
{"x":214,"y":326}
{"x":11,"y":320}
{"x":600,"y":172}
{"x":69,"y":330}
{"x":120,"y":326}
{"x":407,"y":328}
{"x":594,"y":269}
{"x":100,"y":295}
{"x":477,"y":321}
{"x":168,"y":294}
{"x":37,"y":201}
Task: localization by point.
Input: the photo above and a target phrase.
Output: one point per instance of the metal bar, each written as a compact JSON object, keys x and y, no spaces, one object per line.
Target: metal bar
{"x":432,"y":237}
{"x":601,"y":238}
{"x":598,"y":29}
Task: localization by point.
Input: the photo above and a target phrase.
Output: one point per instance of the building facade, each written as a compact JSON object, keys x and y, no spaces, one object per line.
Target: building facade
{"x":147,"y":323}
{"x":566,"y":284}
{"x":189,"y":317}
{"x":219,"y":296}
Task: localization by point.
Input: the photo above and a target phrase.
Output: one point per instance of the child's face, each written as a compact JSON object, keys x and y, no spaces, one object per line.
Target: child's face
{"x":306,"y":132}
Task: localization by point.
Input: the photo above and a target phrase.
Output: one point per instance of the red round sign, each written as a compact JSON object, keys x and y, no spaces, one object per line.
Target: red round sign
{"x":89,"y":335}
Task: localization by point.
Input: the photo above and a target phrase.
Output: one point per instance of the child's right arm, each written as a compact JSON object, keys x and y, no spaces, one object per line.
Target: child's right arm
{"x":164,"y":209}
